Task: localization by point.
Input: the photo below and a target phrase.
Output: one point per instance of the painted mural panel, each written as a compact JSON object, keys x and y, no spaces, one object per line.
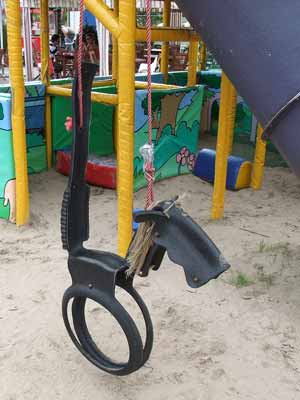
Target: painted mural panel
{"x":7,"y":170}
{"x":35,"y":132}
{"x":101,"y":127}
{"x":245,"y":122}
{"x":35,"y":140}
{"x":7,"y":177}
{"x":35,"y":120}
{"x":176,"y":123}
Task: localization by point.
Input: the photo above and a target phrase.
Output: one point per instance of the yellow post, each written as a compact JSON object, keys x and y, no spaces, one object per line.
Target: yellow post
{"x":166,"y":35}
{"x":105,"y":98}
{"x":202,"y":60}
{"x":14,"y":25}
{"x":165,"y":48}
{"x":230,"y":115}
{"x":193,"y":56}
{"x":223,"y":147}
{"x":115,"y":44}
{"x":259,"y":161}
{"x":106,"y":82}
{"x":126,"y":58}
{"x":45,"y":41}
{"x":160,"y":86}
{"x":115,"y":76}
{"x":45,"y":76}
{"x":104,"y":14}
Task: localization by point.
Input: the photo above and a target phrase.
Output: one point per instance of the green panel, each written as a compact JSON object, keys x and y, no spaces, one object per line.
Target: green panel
{"x":211,"y":78}
{"x":36,"y":159}
{"x":7,"y":171}
{"x":244,"y":147}
{"x":178,"y":122}
{"x":5,"y":88}
{"x":243,"y":123}
{"x":32,"y":89}
{"x":62,"y":81}
{"x":34,"y":120}
{"x":178,"y":78}
{"x":101,"y":136}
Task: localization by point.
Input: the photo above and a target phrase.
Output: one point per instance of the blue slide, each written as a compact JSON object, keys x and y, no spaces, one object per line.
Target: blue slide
{"x":257,"y":43}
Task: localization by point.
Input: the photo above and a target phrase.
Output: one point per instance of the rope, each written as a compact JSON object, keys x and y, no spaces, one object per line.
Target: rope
{"x":143,"y":238}
{"x":148,"y":164}
{"x":80,"y":53}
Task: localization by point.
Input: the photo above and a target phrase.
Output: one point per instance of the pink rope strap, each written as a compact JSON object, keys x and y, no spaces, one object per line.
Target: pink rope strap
{"x":80,"y":54}
{"x":147,"y":150}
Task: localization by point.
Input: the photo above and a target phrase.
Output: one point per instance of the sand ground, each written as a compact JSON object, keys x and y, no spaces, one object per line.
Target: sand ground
{"x":235,"y":338}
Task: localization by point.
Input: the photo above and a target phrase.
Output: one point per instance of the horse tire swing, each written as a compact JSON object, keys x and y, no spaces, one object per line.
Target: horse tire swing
{"x":95,"y":274}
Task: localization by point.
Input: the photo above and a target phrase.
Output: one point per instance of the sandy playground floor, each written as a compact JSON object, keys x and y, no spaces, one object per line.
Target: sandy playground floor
{"x":236,"y":338}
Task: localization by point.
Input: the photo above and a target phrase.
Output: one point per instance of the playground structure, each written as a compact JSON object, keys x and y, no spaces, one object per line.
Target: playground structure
{"x":122,"y":24}
{"x":184,"y":325}
{"x":176,"y":118}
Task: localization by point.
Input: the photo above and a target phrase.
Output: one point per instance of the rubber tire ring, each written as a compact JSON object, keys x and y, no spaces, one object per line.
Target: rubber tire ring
{"x":138,"y":354}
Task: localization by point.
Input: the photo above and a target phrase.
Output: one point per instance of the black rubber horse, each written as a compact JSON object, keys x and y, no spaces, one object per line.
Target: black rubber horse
{"x":95,"y":274}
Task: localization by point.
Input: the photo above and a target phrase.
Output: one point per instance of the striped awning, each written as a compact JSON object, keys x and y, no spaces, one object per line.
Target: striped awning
{"x":154,"y":4}
{"x":52,"y":3}
{"x":75,"y":4}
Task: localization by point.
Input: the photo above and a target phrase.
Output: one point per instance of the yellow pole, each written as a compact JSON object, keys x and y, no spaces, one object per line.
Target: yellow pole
{"x":104,"y":14}
{"x":48,"y":131}
{"x":115,"y":77}
{"x":165,"y":48}
{"x":193,"y":56}
{"x":115,"y":44}
{"x":126,"y":56}
{"x":108,"y":82}
{"x":161,"y":86}
{"x":45,"y":76}
{"x":105,"y":98}
{"x":45,"y":41}
{"x":203,"y":52}
{"x":167,"y":35}
{"x":230,"y":115}
{"x":259,"y":161}
{"x":14,"y":24}
{"x":222,"y":150}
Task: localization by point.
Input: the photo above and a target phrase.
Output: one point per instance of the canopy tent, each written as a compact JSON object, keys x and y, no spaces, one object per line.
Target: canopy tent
{"x":155,"y":4}
{"x":176,"y":14}
{"x":52,"y":3}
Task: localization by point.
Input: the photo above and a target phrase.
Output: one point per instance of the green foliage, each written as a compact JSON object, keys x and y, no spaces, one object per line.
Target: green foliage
{"x":156,"y":18}
{"x":241,"y":280}
{"x":276,"y":248}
